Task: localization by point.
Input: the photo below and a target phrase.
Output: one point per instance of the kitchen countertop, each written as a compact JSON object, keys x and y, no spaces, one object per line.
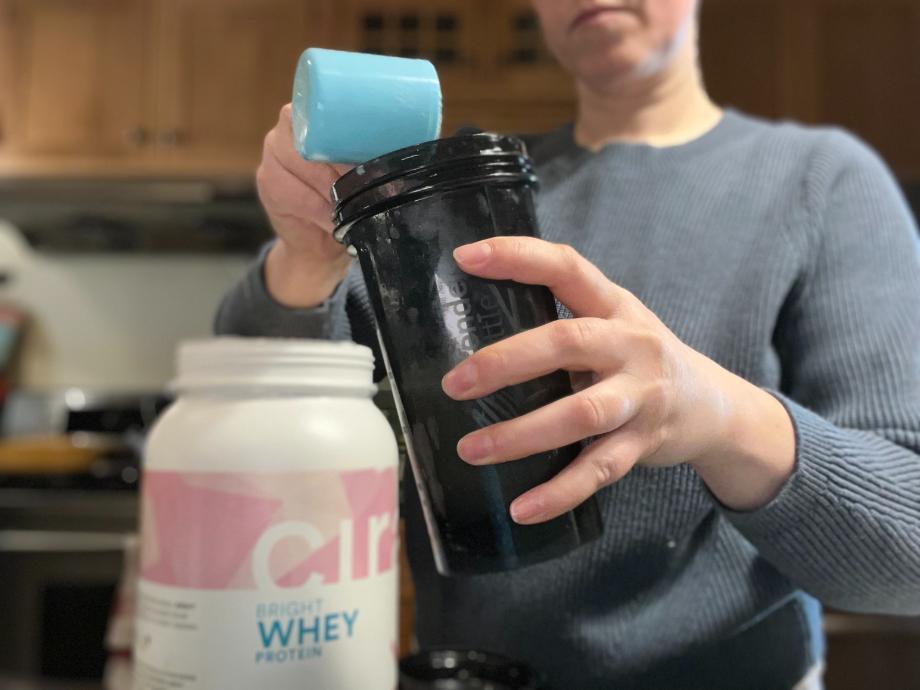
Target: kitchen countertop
{"x":835,"y":624}
{"x":61,"y":509}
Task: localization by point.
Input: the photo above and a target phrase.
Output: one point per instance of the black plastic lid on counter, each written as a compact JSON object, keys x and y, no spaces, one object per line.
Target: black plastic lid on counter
{"x":452,"y":669}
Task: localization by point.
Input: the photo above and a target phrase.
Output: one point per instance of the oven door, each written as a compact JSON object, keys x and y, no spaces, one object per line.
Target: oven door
{"x":61,"y":557}
{"x":56,"y":596}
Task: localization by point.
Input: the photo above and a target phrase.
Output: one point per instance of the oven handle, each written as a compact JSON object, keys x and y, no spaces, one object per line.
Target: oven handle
{"x":43,"y":541}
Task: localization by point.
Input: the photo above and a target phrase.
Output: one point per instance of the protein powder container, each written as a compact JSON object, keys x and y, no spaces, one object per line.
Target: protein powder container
{"x":269,"y":523}
{"x":405,"y":213}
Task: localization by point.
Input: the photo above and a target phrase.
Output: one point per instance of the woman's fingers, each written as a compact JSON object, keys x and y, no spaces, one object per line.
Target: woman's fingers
{"x":585,"y":344}
{"x":317,"y":175}
{"x":575,"y":281}
{"x":285,"y":196}
{"x":594,"y":411}
{"x":294,"y":192}
{"x":602,"y":463}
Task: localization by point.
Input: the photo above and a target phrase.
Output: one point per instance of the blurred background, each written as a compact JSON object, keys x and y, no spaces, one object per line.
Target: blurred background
{"x":129,"y":134}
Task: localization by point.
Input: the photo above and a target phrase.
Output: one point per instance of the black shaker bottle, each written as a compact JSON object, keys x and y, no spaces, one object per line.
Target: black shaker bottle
{"x":405,"y":213}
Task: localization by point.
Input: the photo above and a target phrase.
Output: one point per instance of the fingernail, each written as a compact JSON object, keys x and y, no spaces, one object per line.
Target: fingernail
{"x":460,"y":379}
{"x":526,"y":510}
{"x":470,"y":254}
{"x":475,"y":448}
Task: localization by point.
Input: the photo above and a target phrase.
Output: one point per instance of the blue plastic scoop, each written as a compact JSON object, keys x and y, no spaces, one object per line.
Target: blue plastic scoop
{"x":351,"y":107}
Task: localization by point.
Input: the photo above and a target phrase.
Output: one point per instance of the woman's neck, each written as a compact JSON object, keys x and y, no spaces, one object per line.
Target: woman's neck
{"x":668,"y":108}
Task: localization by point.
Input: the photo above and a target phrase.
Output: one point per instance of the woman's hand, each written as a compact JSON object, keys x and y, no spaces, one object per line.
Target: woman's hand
{"x":649,"y":398}
{"x":306,"y":263}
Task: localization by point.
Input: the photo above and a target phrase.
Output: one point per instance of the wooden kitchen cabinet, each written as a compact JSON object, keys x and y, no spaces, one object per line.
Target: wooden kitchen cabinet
{"x":510,"y":117}
{"x":742,"y":52}
{"x":521,"y":68}
{"x":6,"y":72}
{"x":447,"y":33}
{"x":852,"y":63}
{"x":867,"y":651}
{"x":867,"y":74}
{"x":495,"y":71}
{"x":73,"y":76}
{"x":167,"y":87}
{"x":223,"y":70}
{"x":147,"y":87}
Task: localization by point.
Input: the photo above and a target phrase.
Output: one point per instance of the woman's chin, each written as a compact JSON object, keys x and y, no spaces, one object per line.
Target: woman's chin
{"x":605,"y":67}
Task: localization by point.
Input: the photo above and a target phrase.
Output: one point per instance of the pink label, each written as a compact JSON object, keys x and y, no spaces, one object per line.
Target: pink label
{"x":249,"y":531}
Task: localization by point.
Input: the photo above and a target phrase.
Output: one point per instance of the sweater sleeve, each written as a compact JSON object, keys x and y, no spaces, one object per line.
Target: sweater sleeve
{"x":846,"y":527}
{"x":249,"y":310}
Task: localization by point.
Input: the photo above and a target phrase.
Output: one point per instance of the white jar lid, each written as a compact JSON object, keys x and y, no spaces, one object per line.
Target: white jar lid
{"x":283,"y":365}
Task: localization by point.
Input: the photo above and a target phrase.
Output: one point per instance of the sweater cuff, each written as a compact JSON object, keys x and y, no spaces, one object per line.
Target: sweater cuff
{"x":250,"y":310}
{"x":817,"y":468}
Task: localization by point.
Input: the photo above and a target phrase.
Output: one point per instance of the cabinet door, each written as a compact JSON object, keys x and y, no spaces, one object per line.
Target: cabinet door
{"x":508,"y":117}
{"x":72,"y":78}
{"x":442,"y":31}
{"x":495,"y":72}
{"x":868,"y":74}
{"x":521,"y":67}
{"x":744,"y":49}
{"x":6,"y":71}
{"x":224,"y":69}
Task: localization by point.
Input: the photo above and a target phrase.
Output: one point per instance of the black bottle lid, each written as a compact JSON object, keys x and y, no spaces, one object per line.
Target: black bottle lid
{"x":453,"y":669}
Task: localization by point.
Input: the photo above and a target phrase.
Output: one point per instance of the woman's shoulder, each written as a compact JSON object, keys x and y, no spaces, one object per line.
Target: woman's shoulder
{"x":824,"y":149}
{"x":793,"y":165}
{"x":802,"y":163}
{"x":836,"y":173}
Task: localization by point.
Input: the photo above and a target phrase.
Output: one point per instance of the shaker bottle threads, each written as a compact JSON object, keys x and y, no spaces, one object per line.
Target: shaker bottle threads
{"x":269,"y":528}
{"x":405,"y":213}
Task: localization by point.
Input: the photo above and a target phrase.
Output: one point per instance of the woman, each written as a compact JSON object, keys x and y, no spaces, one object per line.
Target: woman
{"x":746,"y":304}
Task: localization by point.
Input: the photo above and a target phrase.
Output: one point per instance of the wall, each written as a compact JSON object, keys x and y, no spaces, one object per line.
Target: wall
{"x":109,"y":321}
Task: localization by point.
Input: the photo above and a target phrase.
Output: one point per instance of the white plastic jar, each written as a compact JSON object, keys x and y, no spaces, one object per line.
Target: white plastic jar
{"x":269,"y":523}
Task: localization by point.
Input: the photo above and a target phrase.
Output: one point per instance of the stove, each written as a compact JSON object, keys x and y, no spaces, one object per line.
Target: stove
{"x":63,"y":535}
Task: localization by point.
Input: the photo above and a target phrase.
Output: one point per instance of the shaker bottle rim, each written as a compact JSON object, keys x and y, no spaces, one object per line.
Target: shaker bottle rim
{"x":426,"y":168}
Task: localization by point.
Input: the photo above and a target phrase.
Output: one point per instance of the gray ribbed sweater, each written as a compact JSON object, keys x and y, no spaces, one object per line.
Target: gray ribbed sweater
{"x":787,"y":255}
